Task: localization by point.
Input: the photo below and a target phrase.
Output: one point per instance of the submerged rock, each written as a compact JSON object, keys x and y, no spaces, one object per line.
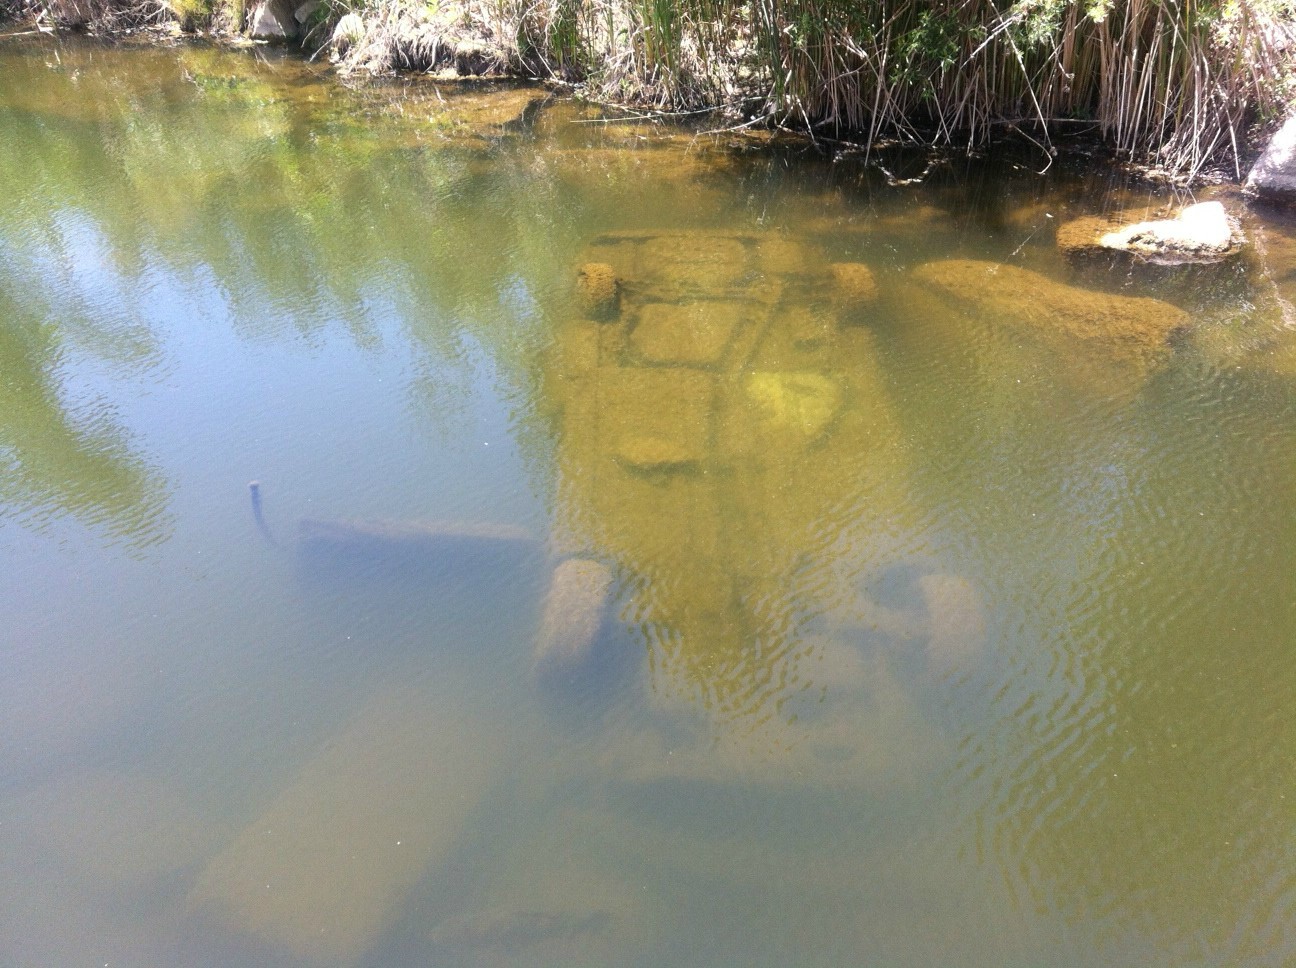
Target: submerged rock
{"x":1201,"y":233}
{"x":810,"y":329}
{"x":1025,"y":298}
{"x":328,"y":866}
{"x":780,"y":255}
{"x":650,"y":454}
{"x":479,"y":111}
{"x":700,"y":265}
{"x":655,"y":419}
{"x":1273,"y":176}
{"x":694,"y":262}
{"x":1080,"y":236}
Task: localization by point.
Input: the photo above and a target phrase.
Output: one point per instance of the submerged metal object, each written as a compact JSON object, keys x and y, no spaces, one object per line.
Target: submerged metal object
{"x":381,"y":534}
{"x":413,"y":547}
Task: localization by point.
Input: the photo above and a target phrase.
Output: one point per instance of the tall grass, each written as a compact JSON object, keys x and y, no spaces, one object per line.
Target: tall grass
{"x":1168,"y":81}
{"x":103,"y":15}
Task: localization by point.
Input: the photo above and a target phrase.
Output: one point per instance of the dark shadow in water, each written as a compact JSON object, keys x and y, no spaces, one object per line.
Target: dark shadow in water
{"x":413,"y":586}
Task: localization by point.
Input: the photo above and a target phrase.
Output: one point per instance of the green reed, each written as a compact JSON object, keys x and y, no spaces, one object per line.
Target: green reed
{"x":1169,"y":82}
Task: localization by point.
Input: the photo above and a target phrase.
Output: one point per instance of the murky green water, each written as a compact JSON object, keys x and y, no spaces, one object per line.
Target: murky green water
{"x":935,"y":637}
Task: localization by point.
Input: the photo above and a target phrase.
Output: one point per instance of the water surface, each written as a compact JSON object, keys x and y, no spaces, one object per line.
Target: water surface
{"x":936,"y":636}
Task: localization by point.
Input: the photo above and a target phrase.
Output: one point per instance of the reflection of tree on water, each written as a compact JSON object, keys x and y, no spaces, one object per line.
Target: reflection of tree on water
{"x":264,"y":225}
{"x":64,"y":460}
{"x":730,"y":445}
{"x":382,"y":213}
{"x":727,"y":439}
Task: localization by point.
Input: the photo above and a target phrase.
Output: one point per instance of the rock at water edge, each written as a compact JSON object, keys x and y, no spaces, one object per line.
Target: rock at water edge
{"x":1201,"y":233}
{"x":272,"y":20}
{"x":350,"y":30}
{"x":1274,"y":174}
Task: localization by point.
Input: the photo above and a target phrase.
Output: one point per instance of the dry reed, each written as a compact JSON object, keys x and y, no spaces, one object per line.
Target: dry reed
{"x":1169,"y":82}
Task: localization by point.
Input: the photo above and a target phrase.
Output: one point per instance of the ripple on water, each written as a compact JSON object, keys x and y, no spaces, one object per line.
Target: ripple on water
{"x":939,"y":638}
{"x":1121,"y":781}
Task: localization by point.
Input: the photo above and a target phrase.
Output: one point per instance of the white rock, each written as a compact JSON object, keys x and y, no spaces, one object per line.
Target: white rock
{"x":348,"y":32}
{"x":1200,"y":233}
{"x":1274,"y":174}
{"x":271,"y":21}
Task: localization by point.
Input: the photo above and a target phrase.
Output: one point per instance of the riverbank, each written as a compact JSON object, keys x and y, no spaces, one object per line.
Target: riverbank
{"x":1182,"y":90}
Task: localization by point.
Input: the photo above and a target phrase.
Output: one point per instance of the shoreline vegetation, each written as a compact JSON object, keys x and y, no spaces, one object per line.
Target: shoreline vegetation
{"x":1182,"y":87}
